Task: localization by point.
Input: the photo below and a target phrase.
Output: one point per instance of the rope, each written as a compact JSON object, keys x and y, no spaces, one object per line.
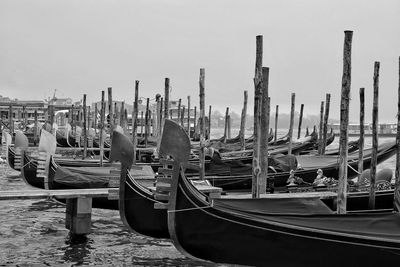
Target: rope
{"x":348,"y":165}
{"x":27,"y":163}
{"x":199,"y":208}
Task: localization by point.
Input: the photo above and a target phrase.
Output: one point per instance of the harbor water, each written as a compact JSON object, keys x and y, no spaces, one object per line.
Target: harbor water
{"x":32,"y":233}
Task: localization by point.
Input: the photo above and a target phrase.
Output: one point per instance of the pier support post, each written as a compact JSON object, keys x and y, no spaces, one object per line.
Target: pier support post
{"x":79,"y":215}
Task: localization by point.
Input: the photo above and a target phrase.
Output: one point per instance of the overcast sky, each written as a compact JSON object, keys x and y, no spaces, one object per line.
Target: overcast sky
{"x":79,"y":47}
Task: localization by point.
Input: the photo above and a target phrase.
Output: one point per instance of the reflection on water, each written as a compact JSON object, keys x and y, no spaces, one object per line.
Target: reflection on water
{"x":32,"y":232}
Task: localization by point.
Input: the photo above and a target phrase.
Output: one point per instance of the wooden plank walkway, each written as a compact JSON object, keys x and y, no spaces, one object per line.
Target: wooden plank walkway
{"x":69,"y":193}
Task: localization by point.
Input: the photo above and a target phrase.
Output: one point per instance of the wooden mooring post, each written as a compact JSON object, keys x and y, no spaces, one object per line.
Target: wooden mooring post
{"x":326,"y":117}
{"x":344,"y":122}
{"x":183,"y":117}
{"x":209,"y":123}
{"x":135,"y":120}
{"x":102,"y":125}
{"x":188,"y":116}
{"x":179,"y":111}
{"x":166,"y":99}
{"x":11,"y":119}
{"x":374,"y":155}
{"x":202,"y":125}
{"x":321,"y":127}
{"x":291,"y":123}
{"x":226,"y":124}
{"x":258,"y":86}
{"x":146,"y":123}
{"x":35,"y":131}
{"x":84,"y":128}
{"x":396,"y":199}
{"x":276,"y":122}
{"x":243,"y":122}
{"x":300,"y":121}
{"x":110,"y":111}
{"x":264,"y":134}
{"x":361,"y":140}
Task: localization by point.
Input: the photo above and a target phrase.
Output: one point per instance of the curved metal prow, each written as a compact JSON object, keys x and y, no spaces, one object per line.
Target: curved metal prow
{"x":21,"y":141}
{"x":121,"y":149}
{"x":175,"y":142}
{"x":47,"y":143}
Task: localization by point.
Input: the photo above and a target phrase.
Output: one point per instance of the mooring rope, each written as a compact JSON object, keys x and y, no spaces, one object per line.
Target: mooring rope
{"x":348,"y":165}
{"x":189,"y":209}
{"x":27,"y":163}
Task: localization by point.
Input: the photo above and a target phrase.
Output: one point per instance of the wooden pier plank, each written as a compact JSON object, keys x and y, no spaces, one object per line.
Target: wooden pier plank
{"x":68,"y":193}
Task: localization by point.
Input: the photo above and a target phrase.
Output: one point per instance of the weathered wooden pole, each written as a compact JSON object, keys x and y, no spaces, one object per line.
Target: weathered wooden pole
{"x":166,"y":99}
{"x":150,"y":123}
{"x":209,"y":123}
{"x":19,"y":115}
{"x":264,"y":134}
{"x":326,"y":117}
{"x":51,"y":118}
{"x":202,"y":125}
{"x":25,"y":115}
{"x":121,"y":114}
{"x":195,"y":121}
{"x":397,"y":172}
{"x":157,"y":124}
{"x":84,"y":128}
{"x":178,"y":119}
{"x":243,"y":122}
{"x":102,"y":126}
{"x":183,"y":117}
{"x":361,"y":140}
{"x":371,"y":202}
{"x":35,"y":131}
{"x":188,"y":116}
{"x":229,"y":127}
{"x":226,"y":124}
{"x":126,"y":128}
{"x":161,"y":117}
{"x":258,"y":86}
{"x":72,"y":116}
{"x":321,"y":127}
{"x":10,"y":119}
{"x":300,"y":121}
{"x":276,"y":122}
{"x":291,"y":123}
{"x":344,"y":122}
{"x":146,"y":123}
{"x":116,"y":115}
{"x":141,"y":124}
{"x":135,"y":120}
{"x":96,"y":111}
{"x":110,"y":111}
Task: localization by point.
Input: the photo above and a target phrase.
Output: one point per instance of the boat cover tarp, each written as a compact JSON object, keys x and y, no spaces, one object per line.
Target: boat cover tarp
{"x":298,"y":206}
{"x":279,"y":163}
{"x":95,"y":177}
{"x":378,"y":226}
{"x":314,"y":162}
{"x":83,"y":177}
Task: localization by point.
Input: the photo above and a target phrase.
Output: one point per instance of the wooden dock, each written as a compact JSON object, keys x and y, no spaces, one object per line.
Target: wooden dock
{"x":78,"y":204}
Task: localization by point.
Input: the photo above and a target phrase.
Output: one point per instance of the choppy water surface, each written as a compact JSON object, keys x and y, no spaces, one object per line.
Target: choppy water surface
{"x":32,"y":232}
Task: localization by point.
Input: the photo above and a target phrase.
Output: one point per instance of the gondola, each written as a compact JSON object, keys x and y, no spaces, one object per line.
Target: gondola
{"x":137,"y":202}
{"x":281,"y":232}
{"x":307,"y":168}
